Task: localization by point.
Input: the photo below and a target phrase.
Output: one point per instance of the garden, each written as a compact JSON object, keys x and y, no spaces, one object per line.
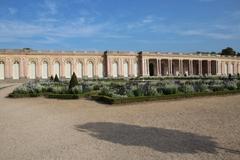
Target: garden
{"x":118,"y":91}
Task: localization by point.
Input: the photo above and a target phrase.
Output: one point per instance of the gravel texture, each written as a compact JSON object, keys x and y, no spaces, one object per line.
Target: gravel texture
{"x":47,"y":129}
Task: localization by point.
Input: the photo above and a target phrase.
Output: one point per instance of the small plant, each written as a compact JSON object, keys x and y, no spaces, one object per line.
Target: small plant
{"x":51,"y":79}
{"x":56,"y":79}
{"x":73,"y":82}
{"x":186,"y":88}
{"x":231,"y":85}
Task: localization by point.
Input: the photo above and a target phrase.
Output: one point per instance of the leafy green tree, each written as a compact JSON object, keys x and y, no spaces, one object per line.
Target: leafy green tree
{"x":56,"y":79}
{"x":228,"y":52}
{"x":74,"y":81}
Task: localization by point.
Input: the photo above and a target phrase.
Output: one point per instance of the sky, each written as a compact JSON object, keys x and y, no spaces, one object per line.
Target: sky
{"x":125,"y":25}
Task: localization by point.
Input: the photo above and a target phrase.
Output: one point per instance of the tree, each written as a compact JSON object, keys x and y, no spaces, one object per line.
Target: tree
{"x":56,"y":79}
{"x":74,"y":81}
{"x":228,"y":52}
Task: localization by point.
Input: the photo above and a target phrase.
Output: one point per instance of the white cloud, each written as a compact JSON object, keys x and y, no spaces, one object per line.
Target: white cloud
{"x":12,"y":11}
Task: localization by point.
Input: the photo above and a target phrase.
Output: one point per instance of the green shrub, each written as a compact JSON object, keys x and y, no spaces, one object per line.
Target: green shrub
{"x":138,"y":92}
{"x":216,"y":87}
{"x":201,"y":87}
{"x":56,"y":79}
{"x":231,"y":85}
{"x":73,"y":82}
{"x":238,"y":84}
{"x":106,"y":92}
{"x":186,"y":88}
{"x":76,"y":90}
{"x":51,"y":79}
{"x":168,"y":89}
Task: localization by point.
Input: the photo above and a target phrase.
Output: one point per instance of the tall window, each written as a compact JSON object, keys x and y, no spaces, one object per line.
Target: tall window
{"x":125,"y":69}
{"x":2,"y":70}
{"x":16,"y":70}
{"x":56,"y":69}
{"x":68,"y":70}
{"x":44,"y":70}
{"x":32,"y":70}
{"x":90,"y":70}
{"x":79,"y":70}
{"x":100,"y":70}
{"x":135,"y":69}
{"x":115,"y":69}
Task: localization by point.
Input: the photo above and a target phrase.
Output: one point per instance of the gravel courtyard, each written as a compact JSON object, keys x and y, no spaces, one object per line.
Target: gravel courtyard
{"x":45,"y":129}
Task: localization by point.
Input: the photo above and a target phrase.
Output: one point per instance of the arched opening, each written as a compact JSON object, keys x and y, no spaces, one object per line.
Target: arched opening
{"x":205,"y":67}
{"x":90,"y":70}
{"x":32,"y":70}
{"x":68,"y":70}
{"x":115,"y":69}
{"x":16,"y":70}
{"x":2,"y":70}
{"x":195,"y":67}
{"x":125,"y":69}
{"x":226,"y":69}
{"x":44,"y":70}
{"x":175,"y":67}
{"x":213,"y":67}
{"x":79,"y":70}
{"x":186,"y":68}
{"x":151,"y":69}
{"x":231,"y":69}
{"x":56,"y":69}
{"x":164,"y":67}
{"x":100,"y":70}
{"x":135,"y":69}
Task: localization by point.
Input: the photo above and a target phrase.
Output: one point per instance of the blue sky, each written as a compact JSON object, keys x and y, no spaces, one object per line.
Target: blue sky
{"x":131,"y":25}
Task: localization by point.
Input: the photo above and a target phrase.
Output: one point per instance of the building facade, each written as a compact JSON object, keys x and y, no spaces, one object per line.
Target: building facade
{"x":29,"y":64}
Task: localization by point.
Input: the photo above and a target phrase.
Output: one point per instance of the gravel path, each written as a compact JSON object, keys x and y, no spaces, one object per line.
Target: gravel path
{"x":46,"y":129}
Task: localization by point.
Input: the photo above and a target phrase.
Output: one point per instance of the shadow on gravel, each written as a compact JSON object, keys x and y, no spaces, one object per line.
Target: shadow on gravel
{"x":159,"y":139}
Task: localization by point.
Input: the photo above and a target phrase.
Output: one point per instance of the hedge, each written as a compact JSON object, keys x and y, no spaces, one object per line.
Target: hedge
{"x":63,"y":96}
{"x":110,"y":100}
{"x":17,"y":95}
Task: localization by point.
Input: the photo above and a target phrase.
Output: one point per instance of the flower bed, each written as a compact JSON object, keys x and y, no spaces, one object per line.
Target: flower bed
{"x":129,"y":90}
{"x":111,"y":100}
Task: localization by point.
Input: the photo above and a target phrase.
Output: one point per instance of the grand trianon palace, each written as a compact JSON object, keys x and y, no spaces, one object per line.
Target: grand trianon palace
{"x":31,"y":64}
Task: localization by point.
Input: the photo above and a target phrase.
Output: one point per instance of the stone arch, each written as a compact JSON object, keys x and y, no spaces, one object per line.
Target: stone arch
{"x":56,"y":68}
{"x":90,"y":69}
{"x":68,"y":69}
{"x":45,"y":69}
{"x":125,"y":68}
{"x":115,"y":69}
{"x":16,"y":69}
{"x":135,"y":68}
{"x":100,"y":69}
{"x":32,"y":69}
{"x":226,"y":69}
{"x":2,"y":70}
{"x":231,"y":68}
{"x":80,"y":68}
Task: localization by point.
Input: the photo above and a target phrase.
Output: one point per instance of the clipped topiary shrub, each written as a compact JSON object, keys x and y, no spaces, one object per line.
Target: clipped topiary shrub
{"x":56,"y":79}
{"x":51,"y":79}
{"x":73,"y":82}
